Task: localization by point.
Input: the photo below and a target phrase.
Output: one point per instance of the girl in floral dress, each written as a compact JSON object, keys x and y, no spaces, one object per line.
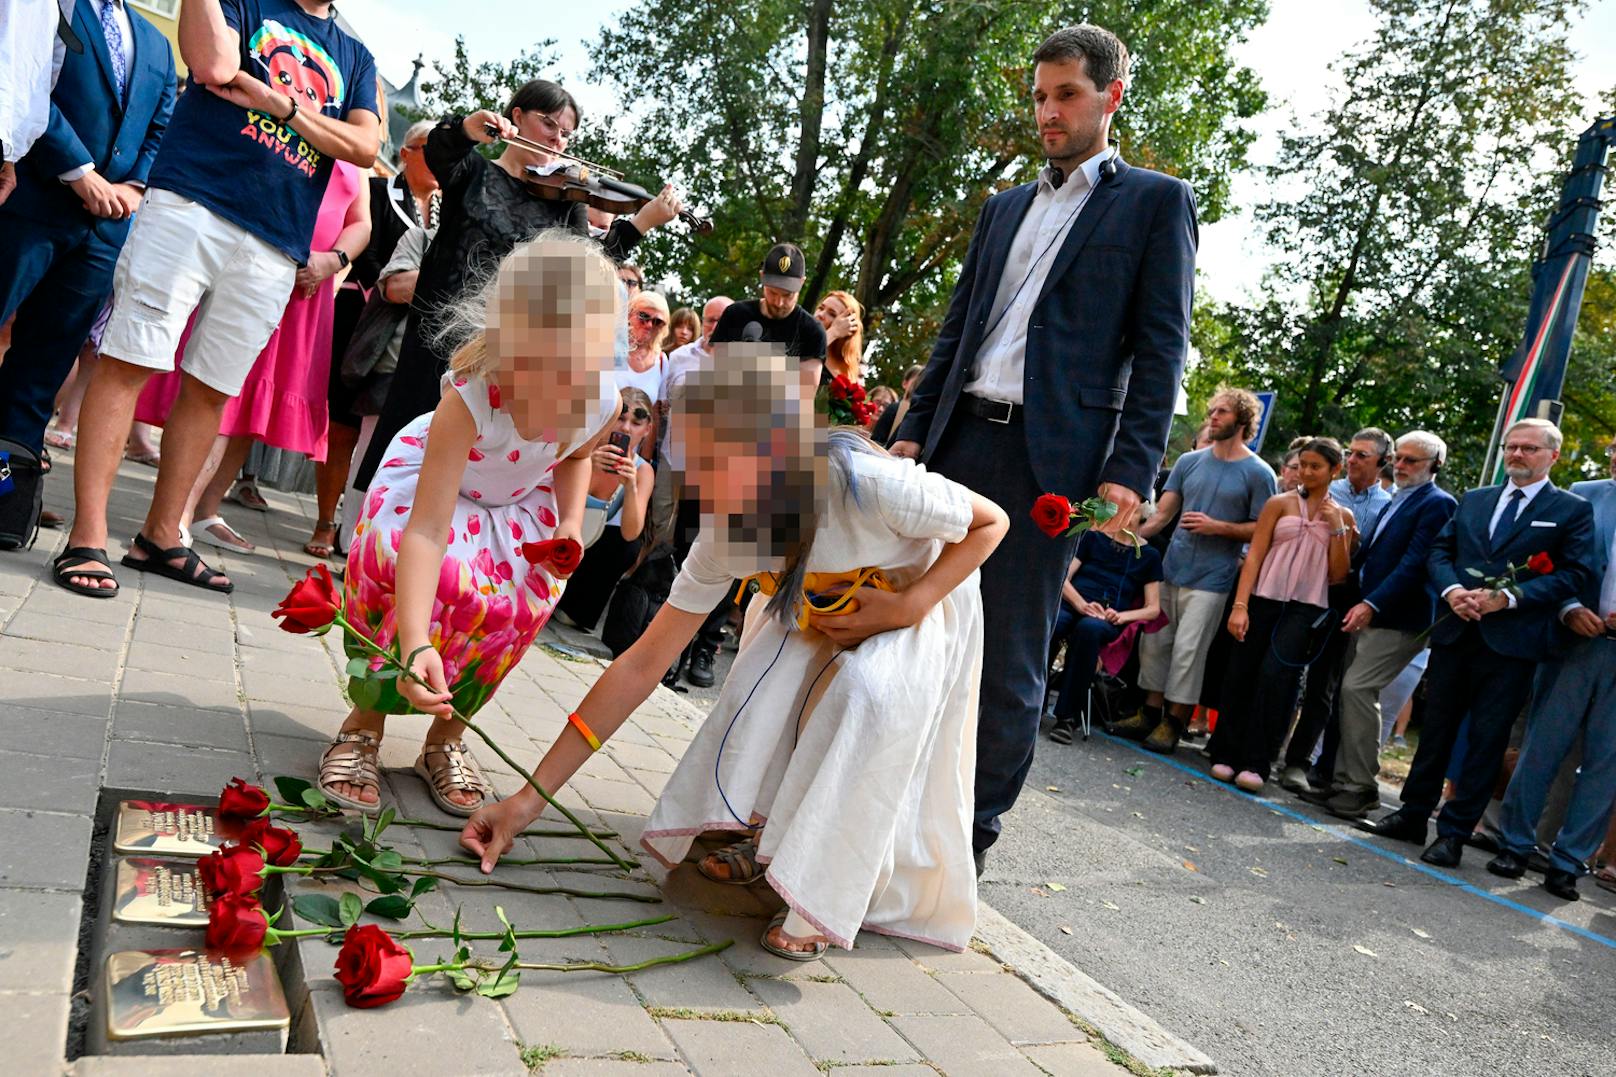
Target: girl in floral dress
{"x":436,"y":564}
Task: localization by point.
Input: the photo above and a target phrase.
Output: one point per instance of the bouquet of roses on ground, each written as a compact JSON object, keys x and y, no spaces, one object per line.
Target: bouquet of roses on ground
{"x":1506,"y":582}
{"x":845,"y":403}
{"x":1056,"y":516}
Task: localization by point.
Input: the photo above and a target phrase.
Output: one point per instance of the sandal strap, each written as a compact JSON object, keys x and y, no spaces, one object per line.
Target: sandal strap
{"x":740,"y":859}
{"x":81,"y":553}
{"x":457,"y":770}
{"x":357,"y":767}
{"x":194,"y":567}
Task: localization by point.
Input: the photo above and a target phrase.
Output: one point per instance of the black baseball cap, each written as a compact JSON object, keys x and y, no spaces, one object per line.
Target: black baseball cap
{"x":785,"y":268}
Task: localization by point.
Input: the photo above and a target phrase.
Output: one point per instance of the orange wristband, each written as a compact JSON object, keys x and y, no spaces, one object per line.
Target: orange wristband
{"x":583,"y":728}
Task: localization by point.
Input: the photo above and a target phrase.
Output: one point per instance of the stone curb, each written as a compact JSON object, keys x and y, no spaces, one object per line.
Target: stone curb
{"x":1058,"y":980}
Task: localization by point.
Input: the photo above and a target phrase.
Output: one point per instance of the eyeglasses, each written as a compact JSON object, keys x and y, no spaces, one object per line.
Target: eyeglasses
{"x":1525,"y":450}
{"x":632,"y":283}
{"x":1361,"y":454}
{"x":650,"y":319}
{"x":640,"y":414}
{"x":1402,"y":459}
{"x":553,"y":127}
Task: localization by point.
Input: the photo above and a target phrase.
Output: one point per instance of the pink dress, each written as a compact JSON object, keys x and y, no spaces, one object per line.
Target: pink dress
{"x":1297,"y":568}
{"x":283,"y":402}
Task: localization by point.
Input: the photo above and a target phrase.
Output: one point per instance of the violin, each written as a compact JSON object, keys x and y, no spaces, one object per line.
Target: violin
{"x":594,"y":185}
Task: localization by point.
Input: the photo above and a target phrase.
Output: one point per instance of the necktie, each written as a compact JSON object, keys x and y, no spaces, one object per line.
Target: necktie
{"x":114,"y":35}
{"x":1512,"y":509}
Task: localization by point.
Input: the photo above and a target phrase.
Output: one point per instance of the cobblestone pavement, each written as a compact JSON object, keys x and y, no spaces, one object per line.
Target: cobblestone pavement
{"x":171,"y":689}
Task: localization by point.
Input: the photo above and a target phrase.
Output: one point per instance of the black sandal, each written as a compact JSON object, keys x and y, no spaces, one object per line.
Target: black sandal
{"x":82,"y":555}
{"x":194,"y":572}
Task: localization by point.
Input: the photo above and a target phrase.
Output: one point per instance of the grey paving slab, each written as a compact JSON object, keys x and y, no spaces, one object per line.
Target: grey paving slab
{"x":610,"y":1067}
{"x":429,"y":1031}
{"x":937,"y":959}
{"x":39,"y":781}
{"x":309,"y":662}
{"x":832,"y":1023}
{"x":44,"y":691}
{"x":582,"y":1012}
{"x":293,"y":757}
{"x":286,"y":720}
{"x":695,"y":985}
{"x":174,"y":724}
{"x":641,"y":757}
{"x":58,"y":734}
{"x":43,"y":849}
{"x":316,"y":687}
{"x":1072,"y":1060}
{"x":53,"y":601}
{"x":144,"y":686}
{"x":727,"y":1048}
{"x":60,"y":628}
{"x":891,"y":982}
{"x":36,"y":1031}
{"x":964,"y":1046}
{"x":28,"y":657}
{"x":305,"y":1065}
{"x":915,"y":1069}
{"x":181,"y":659}
{"x":745,"y":955}
{"x":175,"y":768}
{"x":1018,"y":1012}
{"x":38,"y":940}
{"x":162,"y":631}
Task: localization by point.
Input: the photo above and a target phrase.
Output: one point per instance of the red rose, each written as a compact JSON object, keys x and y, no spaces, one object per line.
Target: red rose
{"x":839,"y":388}
{"x":240,"y":802}
{"x":235,"y":869}
{"x":858,"y":393}
{"x":236,"y":924}
{"x":562,"y":555}
{"x":1541,"y":563}
{"x":312,"y":604}
{"x":372,"y":968}
{"x":278,"y":845}
{"x":1053,"y":514}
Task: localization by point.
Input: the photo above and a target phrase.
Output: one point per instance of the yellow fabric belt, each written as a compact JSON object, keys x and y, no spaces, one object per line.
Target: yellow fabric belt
{"x":828,"y":594}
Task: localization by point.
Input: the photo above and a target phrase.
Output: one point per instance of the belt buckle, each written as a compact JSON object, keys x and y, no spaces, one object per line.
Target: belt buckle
{"x":1009,"y":412}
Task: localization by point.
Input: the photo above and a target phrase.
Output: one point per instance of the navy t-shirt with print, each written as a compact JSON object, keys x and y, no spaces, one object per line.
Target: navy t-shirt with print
{"x":245,"y":166}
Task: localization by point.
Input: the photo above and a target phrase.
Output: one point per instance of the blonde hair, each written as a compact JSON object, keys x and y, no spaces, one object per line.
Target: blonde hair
{"x":556,"y":279}
{"x":646,"y":298}
{"x":846,"y":355}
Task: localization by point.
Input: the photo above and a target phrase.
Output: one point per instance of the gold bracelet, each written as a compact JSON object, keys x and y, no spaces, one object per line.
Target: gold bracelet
{"x":583,"y":728}
{"x":1239,"y":605}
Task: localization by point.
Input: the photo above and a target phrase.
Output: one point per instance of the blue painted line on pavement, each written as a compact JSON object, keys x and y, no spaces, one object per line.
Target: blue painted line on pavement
{"x":1365,"y":844}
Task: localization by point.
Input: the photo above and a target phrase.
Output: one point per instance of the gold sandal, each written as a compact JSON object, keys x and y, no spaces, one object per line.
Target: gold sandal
{"x":448,"y":768}
{"x":357,"y":767}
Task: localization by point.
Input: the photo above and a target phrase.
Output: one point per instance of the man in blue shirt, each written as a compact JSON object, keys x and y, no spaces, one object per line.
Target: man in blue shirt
{"x":278,"y":92}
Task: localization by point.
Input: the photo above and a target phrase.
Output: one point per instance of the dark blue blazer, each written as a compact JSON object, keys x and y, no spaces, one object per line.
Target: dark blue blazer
{"x":91,"y":123}
{"x":1601,"y":494}
{"x":1391,"y":565}
{"x":1557,"y":523}
{"x":1106,"y":341}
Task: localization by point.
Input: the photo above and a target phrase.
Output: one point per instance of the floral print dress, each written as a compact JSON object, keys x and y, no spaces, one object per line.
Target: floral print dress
{"x":490,"y":601}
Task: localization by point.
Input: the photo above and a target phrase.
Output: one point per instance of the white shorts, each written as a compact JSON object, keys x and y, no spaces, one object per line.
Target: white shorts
{"x":182,"y":257}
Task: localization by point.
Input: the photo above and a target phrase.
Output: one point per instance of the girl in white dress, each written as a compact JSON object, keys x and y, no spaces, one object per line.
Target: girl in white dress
{"x":848,"y":737}
{"x":503,"y":462}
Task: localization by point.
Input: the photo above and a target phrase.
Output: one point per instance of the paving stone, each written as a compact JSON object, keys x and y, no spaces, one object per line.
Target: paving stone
{"x":36,"y":1030}
{"x":1019,"y":1013}
{"x":612,"y":1067}
{"x":652,"y":781}
{"x":293,"y":757}
{"x":289,"y":1065}
{"x":729,"y":1047}
{"x":38,"y":781}
{"x":175,"y":768}
{"x":162,"y":631}
{"x":937,"y":959}
{"x":912,"y":1070}
{"x":700,"y":984}
{"x":56,"y":602}
{"x":585,"y":1013}
{"x":179,"y":725}
{"x":52,"y":733}
{"x":181,"y":659}
{"x":430,"y":1030}
{"x":310,"y":662}
{"x":53,"y":628}
{"x":300,"y":691}
{"x":832,"y":1023}
{"x":1073,"y":1060}
{"x":745,"y":956}
{"x":28,"y":657}
{"x":40,"y":933}
{"x":287,"y":720}
{"x":689,"y":889}
{"x":891,"y":982}
{"x":964,"y":1047}
{"x":641,"y":757}
{"x":144,"y":686}
{"x":43,"y":849}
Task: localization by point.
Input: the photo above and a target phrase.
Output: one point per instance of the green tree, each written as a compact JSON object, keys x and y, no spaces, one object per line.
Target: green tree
{"x":462,"y":86}
{"x":871,"y":133}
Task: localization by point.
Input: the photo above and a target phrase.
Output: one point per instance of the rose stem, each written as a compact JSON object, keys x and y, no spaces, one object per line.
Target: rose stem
{"x":558,"y":933}
{"x":598,"y":966}
{"x":463,"y":862}
{"x":459,"y":881}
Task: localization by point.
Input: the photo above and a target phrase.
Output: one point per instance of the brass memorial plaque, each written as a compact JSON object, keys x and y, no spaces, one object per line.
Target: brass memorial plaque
{"x":153,"y":891}
{"x":190,"y":992}
{"x":149,"y":826}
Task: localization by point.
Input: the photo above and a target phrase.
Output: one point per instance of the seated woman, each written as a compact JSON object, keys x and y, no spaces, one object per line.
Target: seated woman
{"x":1281,"y":616}
{"x":1111,"y":585}
{"x":848,"y":737}
{"x":620,"y":487}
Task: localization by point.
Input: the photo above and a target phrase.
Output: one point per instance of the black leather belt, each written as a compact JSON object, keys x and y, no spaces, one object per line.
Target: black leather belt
{"x":998,"y":411}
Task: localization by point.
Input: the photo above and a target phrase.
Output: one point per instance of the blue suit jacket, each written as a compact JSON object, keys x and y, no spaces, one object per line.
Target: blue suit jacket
{"x":1601,"y":494}
{"x":1106,"y":341}
{"x":91,"y":123}
{"x":1391,"y":565}
{"x":1557,"y":523}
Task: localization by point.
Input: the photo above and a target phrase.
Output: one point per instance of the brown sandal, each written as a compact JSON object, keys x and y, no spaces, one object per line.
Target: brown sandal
{"x":447,"y":768}
{"x":356,"y":767}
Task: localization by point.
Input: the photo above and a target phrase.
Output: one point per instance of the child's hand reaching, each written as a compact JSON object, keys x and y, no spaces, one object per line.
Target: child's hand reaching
{"x":492,"y":831}
{"x":428,"y":665}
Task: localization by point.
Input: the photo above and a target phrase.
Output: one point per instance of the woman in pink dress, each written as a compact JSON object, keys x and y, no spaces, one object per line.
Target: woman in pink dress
{"x":283,"y":403}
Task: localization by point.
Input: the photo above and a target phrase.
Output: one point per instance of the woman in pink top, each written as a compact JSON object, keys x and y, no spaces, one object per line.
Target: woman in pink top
{"x":1303,"y":543}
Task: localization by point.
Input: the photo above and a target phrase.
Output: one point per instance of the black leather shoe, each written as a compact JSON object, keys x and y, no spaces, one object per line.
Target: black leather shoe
{"x":1444,"y":852}
{"x":700,"y":672}
{"x":981,"y":858}
{"x":1538,"y":863}
{"x":1562,"y":884}
{"x":1399,"y":825}
{"x":1484,"y":841}
{"x":1507,"y":865}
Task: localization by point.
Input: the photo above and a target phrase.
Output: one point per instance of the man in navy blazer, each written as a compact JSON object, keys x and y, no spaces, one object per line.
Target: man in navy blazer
{"x":1575,"y":696}
{"x":1486,"y":647}
{"x":61,"y":230}
{"x":1387,"y":626}
{"x":1056,"y":370}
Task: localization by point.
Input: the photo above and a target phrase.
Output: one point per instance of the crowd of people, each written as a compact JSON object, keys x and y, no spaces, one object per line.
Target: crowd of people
{"x":480,"y":372}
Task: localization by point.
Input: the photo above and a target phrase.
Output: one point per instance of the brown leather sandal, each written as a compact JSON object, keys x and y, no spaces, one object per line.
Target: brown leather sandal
{"x":354,"y":767}
{"x":448,"y":768}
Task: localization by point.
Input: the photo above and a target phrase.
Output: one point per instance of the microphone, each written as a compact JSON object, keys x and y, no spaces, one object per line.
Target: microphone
{"x":1301,"y":492}
{"x":752,"y":333}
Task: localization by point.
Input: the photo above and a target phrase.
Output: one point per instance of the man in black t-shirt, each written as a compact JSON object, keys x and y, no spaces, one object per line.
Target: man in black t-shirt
{"x":776,"y":318}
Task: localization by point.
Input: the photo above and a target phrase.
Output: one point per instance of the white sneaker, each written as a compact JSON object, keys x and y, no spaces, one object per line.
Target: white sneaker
{"x":1295,"y":779}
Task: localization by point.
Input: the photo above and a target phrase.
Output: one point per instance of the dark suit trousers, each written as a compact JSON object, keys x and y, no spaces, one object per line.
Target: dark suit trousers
{"x":1021,"y":589}
{"x":1466,"y":680}
{"x":55,"y":281}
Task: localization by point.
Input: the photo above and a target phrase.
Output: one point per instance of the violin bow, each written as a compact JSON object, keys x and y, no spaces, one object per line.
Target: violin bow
{"x":529,"y":144}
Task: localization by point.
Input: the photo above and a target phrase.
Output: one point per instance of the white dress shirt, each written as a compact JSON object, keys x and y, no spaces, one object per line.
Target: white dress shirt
{"x":1002,"y":356}
{"x":30,"y":58}
{"x":121,"y":17}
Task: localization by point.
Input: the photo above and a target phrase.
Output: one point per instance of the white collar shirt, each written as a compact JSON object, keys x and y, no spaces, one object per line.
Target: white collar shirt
{"x":31,"y":55}
{"x":120,"y":15}
{"x":1528,"y":493}
{"x":1001,"y":357}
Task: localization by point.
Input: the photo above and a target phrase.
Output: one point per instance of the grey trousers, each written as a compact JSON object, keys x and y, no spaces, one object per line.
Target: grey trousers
{"x":1374,"y":659}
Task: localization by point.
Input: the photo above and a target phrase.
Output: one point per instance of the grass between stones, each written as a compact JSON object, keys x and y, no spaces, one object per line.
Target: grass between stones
{"x":682,"y":1013}
{"x":536,"y":1055}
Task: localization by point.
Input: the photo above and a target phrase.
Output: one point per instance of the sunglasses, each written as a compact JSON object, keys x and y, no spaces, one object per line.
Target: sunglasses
{"x":650,"y":319}
{"x":640,"y":414}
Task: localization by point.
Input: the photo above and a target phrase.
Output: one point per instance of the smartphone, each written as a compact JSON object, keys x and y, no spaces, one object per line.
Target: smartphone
{"x":619,"y":439}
